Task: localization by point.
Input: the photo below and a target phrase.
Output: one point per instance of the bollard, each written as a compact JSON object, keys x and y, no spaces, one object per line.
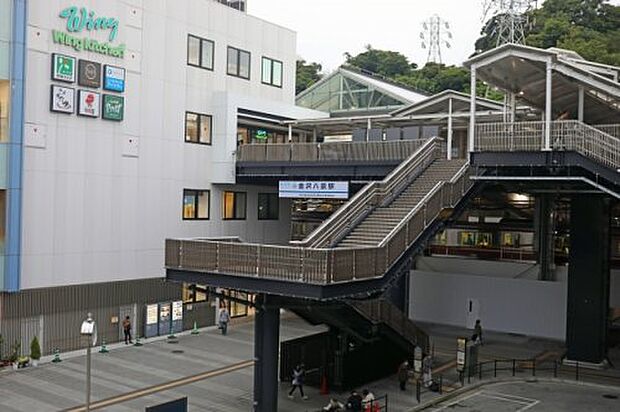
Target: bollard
{"x":495,"y":368}
{"x":534,"y":368}
{"x":555,"y":369}
{"x":417,"y":390}
{"x":514,"y":367}
{"x":104,"y":348}
{"x":138,"y":343}
{"x":56,"y":356}
{"x":441,"y":384}
{"x":195,"y":330}
{"x":577,"y":371}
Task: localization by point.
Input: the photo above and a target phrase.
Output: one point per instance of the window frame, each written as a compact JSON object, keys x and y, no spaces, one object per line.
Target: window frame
{"x":277,"y":203}
{"x":238,"y":71}
{"x":196,"y":196}
{"x":199,"y":128}
{"x":271,"y":64}
{"x":200,"y":54}
{"x":235,"y":217}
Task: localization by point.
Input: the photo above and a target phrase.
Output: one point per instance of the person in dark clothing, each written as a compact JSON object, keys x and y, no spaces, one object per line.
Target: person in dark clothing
{"x":298,"y":381}
{"x":478,"y":332}
{"x":354,"y":402}
{"x":403,"y":375}
{"x":127,"y":330}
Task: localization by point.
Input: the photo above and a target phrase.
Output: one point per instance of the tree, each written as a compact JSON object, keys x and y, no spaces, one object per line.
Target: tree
{"x":384,"y":62}
{"x":307,"y":75}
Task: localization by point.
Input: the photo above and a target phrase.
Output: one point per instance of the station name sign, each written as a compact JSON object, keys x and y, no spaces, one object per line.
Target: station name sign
{"x":80,"y":20}
{"x":313,"y":190}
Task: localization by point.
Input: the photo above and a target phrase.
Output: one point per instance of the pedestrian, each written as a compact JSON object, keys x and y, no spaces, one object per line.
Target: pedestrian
{"x":478,"y":332}
{"x":299,"y":374}
{"x":368,"y":402}
{"x":334,"y":405}
{"x":127,"y":330}
{"x":223,"y":319}
{"x":354,"y":402}
{"x":403,"y":375}
{"x":427,"y":373}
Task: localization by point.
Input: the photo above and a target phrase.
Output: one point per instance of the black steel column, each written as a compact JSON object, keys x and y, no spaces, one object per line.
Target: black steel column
{"x":588,"y":279}
{"x":543,"y":235}
{"x":266,"y":350}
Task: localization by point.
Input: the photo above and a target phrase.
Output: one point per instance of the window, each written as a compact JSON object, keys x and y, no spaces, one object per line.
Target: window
{"x":193,"y":293}
{"x":5,"y":103}
{"x":196,"y":204}
{"x":197,"y":128}
{"x":234,"y":205}
{"x":272,"y":72}
{"x":238,"y":63}
{"x":268,"y":206}
{"x":200,"y":52}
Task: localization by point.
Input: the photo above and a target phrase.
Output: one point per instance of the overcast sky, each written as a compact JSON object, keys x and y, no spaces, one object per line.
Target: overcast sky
{"x":326,"y":29}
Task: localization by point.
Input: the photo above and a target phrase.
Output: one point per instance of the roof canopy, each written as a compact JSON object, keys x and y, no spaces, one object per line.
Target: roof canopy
{"x":440,"y":103}
{"x":346,"y":92}
{"x":522,"y":70}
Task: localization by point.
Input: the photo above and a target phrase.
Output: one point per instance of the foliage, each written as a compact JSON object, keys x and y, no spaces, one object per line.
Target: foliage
{"x":35,"y":348}
{"x":307,"y":75}
{"x":384,"y":62}
{"x":14,"y":355}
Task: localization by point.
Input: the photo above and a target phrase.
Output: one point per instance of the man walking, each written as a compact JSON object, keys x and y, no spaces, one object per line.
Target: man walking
{"x":478,"y":332}
{"x":298,"y":381}
{"x":403,"y":375}
{"x":127,"y":330}
{"x":223,"y":319}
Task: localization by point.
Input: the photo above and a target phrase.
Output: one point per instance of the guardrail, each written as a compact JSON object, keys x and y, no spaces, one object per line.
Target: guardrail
{"x":610,"y":129}
{"x":329,"y":152}
{"x":566,"y":135}
{"x":319,"y":266}
{"x":359,"y":206}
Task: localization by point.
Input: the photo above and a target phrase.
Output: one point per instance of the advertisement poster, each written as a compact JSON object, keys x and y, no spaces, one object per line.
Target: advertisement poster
{"x":113,"y":107}
{"x":114,"y":78}
{"x":177,"y":310}
{"x":151,"y":314}
{"x":89,"y":103}
{"x":89,"y":74}
{"x":164,"y":312}
{"x":63,"y":68}
{"x":62,"y":99}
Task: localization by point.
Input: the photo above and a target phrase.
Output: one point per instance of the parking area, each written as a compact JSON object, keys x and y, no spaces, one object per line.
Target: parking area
{"x":548,"y":396}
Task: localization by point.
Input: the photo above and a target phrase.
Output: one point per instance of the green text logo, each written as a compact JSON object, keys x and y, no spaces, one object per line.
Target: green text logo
{"x":80,"y":19}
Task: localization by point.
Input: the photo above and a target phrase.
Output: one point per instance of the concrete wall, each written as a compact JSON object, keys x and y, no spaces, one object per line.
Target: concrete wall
{"x":508,"y":305}
{"x":92,"y":210}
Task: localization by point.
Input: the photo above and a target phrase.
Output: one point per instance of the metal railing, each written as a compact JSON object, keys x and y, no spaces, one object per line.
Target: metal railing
{"x":329,"y":152}
{"x":610,"y":129}
{"x":566,"y":135}
{"x":372,"y":195}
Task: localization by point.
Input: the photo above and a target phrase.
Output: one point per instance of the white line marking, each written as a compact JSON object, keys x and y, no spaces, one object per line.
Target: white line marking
{"x":458,"y":400}
{"x":529,"y":406}
{"x":501,"y":398}
{"x":521,"y":398}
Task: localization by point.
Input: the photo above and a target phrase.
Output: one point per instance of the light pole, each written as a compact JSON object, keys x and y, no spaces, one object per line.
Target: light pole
{"x":88,"y":329}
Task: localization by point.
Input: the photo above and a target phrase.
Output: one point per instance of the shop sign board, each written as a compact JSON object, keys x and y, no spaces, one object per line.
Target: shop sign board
{"x":62,"y":99}
{"x":114,"y":78}
{"x":89,"y":103}
{"x":313,"y":190}
{"x":461,"y":354}
{"x":113,"y":107}
{"x":63,"y":68}
{"x":89,"y":74}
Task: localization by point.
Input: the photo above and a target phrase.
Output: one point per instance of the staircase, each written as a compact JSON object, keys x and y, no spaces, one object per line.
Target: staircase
{"x":383,"y":219}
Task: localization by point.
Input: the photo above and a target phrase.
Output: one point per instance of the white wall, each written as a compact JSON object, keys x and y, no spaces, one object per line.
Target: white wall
{"x":91,"y":214}
{"x":507,"y":305}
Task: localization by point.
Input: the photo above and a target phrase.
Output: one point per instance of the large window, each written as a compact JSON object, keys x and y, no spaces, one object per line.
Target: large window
{"x":200,"y":52}
{"x":198,"y":128}
{"x":196,"y":204}
{"x":234,"y":205}
{"x":4,"y":110}
{"x":272,"y":72}
{"x":238,"y":63}
{"x":268,"y":206}
{"x":193,"y":293}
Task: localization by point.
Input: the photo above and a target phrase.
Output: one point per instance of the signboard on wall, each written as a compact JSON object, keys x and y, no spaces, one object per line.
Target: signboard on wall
{"x":89,"y":103}
{"x":63,"y":68}
{"x":62,"y":99}
{"x":177,"y":316}
{"x":89,"y":74}
{"x":114,"y":78}
{"x":151,"y":327}
{"x":113,"y":107}
{"x":313,"y":190}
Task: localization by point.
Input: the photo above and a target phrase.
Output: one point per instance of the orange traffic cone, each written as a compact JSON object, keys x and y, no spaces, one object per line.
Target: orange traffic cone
{"x":324,"y":386}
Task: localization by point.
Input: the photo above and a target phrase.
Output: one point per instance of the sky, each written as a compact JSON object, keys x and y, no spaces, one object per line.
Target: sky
{"x":326,"y":29}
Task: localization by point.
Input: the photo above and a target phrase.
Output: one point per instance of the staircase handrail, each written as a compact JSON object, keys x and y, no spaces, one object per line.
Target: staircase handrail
{"x":347,"y":216}
{"x":422,"y":203}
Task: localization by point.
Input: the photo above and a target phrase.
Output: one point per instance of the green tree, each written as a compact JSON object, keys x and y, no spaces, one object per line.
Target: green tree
{"x":307,"y":75}
{"x":385,"y":62}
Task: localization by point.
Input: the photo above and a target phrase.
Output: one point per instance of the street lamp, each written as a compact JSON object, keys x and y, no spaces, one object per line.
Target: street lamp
{"x":89,"y":329}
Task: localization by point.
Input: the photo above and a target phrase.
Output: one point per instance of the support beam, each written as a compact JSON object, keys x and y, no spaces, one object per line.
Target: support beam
{"x":581,"y":102}
{"x":472,"y":109}
{"x":548,"y":108}
{"x":450,"y":129}
{"x":266,"y":349}
{"x":543,"y":235}
{"x":290,"y":133}
{"x":588,"y":279}
{"x":368,"y":127}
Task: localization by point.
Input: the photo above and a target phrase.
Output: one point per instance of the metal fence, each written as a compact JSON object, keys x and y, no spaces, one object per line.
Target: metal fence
{"x":329,"y":152}
{"x":600,"y":143}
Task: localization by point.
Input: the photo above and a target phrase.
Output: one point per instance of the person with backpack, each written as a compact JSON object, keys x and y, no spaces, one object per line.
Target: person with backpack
{"x":299,"y":374}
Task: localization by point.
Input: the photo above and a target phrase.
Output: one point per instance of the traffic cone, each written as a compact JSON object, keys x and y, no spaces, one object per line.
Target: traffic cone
{"x":324,"y":387}
{"x":56,"y":356}
{"x":138,"y":343}
{"x":195,"y":330}
{"x":104,"y":348}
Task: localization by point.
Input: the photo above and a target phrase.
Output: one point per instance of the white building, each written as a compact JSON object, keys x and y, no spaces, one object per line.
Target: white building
{"x":123,"y":133}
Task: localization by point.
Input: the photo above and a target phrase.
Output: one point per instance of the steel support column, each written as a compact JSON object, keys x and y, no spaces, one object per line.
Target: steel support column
{"x":580,"y":103}
{"x":472,"y":110}
{"x":588,"y":279}
{"x":548,"y":109}
{"x":450,"y":131}
{"x":266,"y":349}
{"x":543,"y":235}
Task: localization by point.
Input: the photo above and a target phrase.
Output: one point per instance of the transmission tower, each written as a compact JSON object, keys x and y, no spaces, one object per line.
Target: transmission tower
{"x":435,"y":34}
{"x":511,"y":19}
